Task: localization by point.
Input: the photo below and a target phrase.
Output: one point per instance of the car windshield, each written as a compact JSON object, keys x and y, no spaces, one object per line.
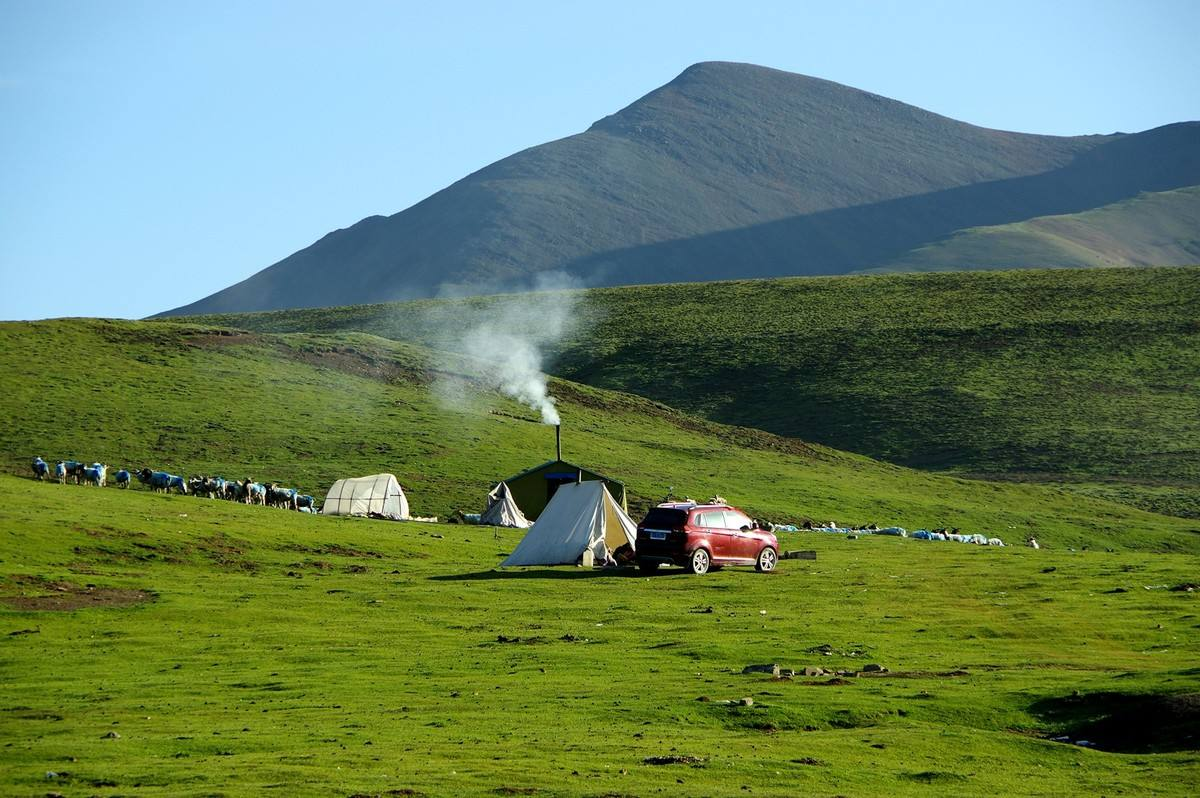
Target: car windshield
{"x":665,"y":518}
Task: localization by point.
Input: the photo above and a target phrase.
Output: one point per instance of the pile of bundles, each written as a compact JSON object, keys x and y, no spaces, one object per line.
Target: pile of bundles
{"x":869,"y":529}
{"x":953,"y":536}
{"x":894,"y":531}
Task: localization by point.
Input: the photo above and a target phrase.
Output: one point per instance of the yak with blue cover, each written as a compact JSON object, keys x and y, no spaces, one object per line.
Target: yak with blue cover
{"x":216,"y":487}
{"x":95,"y":474}
{"x":211,"y":487}
{"x":284,"y":498}
{"x":60,"y":472}
{"x":74,"y":470}
{"x":121,"y":478}
{"x":253,"y":492}
{"x":161,"y":481}
{"x":40,"y":469}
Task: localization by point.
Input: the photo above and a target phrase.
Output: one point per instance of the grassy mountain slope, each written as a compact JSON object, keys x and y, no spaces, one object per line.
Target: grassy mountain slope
{"x":772,"y":172}
{"x":307,"y":409}
{"x":1068,"y":376}
{"x":1154,"y":229}
{"x":203,"y":648}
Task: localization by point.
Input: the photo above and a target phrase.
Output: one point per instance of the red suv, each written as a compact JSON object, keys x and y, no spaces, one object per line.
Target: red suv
{"x":698,"y":536}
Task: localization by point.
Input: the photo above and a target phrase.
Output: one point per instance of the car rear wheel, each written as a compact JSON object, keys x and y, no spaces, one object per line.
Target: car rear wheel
{"x":699,"y":562}
{"x":767,"y":559}
{"x":647,"y":567}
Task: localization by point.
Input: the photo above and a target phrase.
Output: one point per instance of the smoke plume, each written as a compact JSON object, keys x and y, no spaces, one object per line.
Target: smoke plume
{"x":508,"y":339}
{"x":512,"y":364}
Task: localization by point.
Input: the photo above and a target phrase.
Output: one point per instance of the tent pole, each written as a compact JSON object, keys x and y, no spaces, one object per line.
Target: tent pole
{"x":558,"y":441}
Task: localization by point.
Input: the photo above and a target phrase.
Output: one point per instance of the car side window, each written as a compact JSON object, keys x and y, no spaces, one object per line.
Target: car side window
{"x":736,"y":520}
{"x":711,"y":520}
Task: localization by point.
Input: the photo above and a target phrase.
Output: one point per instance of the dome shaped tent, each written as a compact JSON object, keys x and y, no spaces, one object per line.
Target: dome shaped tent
{"x":379,"y":494}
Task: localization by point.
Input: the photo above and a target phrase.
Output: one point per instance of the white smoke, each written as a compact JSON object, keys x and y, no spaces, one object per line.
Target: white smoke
{"x":512,"y":364}
{"x":508,"y":339}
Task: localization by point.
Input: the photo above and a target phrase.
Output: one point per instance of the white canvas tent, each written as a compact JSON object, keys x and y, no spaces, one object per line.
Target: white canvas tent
{"x":379,"y":494}
{"x":502,"y":510}
{"x":581,"y":517}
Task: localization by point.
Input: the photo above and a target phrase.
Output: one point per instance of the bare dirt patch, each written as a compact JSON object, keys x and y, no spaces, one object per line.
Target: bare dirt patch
{"x":105,"y":531}
{"x":226,"y":552}
{"x":211,"y":339}
{"x":28,"y":713}
{"x":357,"y":362}
{"x":933,"y":777}
{"x":912,"y":674}
{"x":532,"y":641}
{"x":674,"y":759}
{"x":128,"y":548}
{"x":62,"y":596}
{"x":334,"y":549}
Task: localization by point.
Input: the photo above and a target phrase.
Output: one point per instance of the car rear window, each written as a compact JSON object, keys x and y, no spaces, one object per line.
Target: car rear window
{"x":665,"y":518}
{"x":723,"y":519}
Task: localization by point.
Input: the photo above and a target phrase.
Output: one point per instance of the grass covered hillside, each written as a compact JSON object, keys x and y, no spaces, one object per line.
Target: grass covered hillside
{"x":168,"y":646}
{"x":1153,"y":229}
{"x":1089,"y":378}
{"x":305,"y":409}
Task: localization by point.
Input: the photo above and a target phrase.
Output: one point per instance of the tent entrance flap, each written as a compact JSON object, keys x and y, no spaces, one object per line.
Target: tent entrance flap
{"x":615,"y":533}
{"x":555,"y":480}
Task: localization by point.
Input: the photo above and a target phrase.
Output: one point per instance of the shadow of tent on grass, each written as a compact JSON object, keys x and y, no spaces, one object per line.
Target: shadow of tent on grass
{"x":542,"y":573}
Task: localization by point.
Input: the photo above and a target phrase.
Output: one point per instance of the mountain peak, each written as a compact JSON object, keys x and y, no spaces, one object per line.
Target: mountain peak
{"x":730,"y":170}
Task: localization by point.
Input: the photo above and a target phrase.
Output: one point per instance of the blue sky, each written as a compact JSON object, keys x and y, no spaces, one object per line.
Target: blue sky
{"x":154,"y":152}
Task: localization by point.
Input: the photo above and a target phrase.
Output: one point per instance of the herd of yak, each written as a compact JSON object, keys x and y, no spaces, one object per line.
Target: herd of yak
{"x":246,"y":491}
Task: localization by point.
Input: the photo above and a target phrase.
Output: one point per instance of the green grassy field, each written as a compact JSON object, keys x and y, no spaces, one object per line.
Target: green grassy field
{"x":1061,"y":376}
{"x":305,"y":410}
{"x":246,"y":651}
{"x":240,"y":651}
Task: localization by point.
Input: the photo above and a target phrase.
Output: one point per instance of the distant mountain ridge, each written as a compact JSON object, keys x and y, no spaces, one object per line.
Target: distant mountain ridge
{"x":728,"y":171}
{"x":1152,"y":228}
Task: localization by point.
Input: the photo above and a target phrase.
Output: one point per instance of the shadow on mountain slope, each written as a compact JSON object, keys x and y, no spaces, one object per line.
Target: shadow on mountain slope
{"x":851,"y":239}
